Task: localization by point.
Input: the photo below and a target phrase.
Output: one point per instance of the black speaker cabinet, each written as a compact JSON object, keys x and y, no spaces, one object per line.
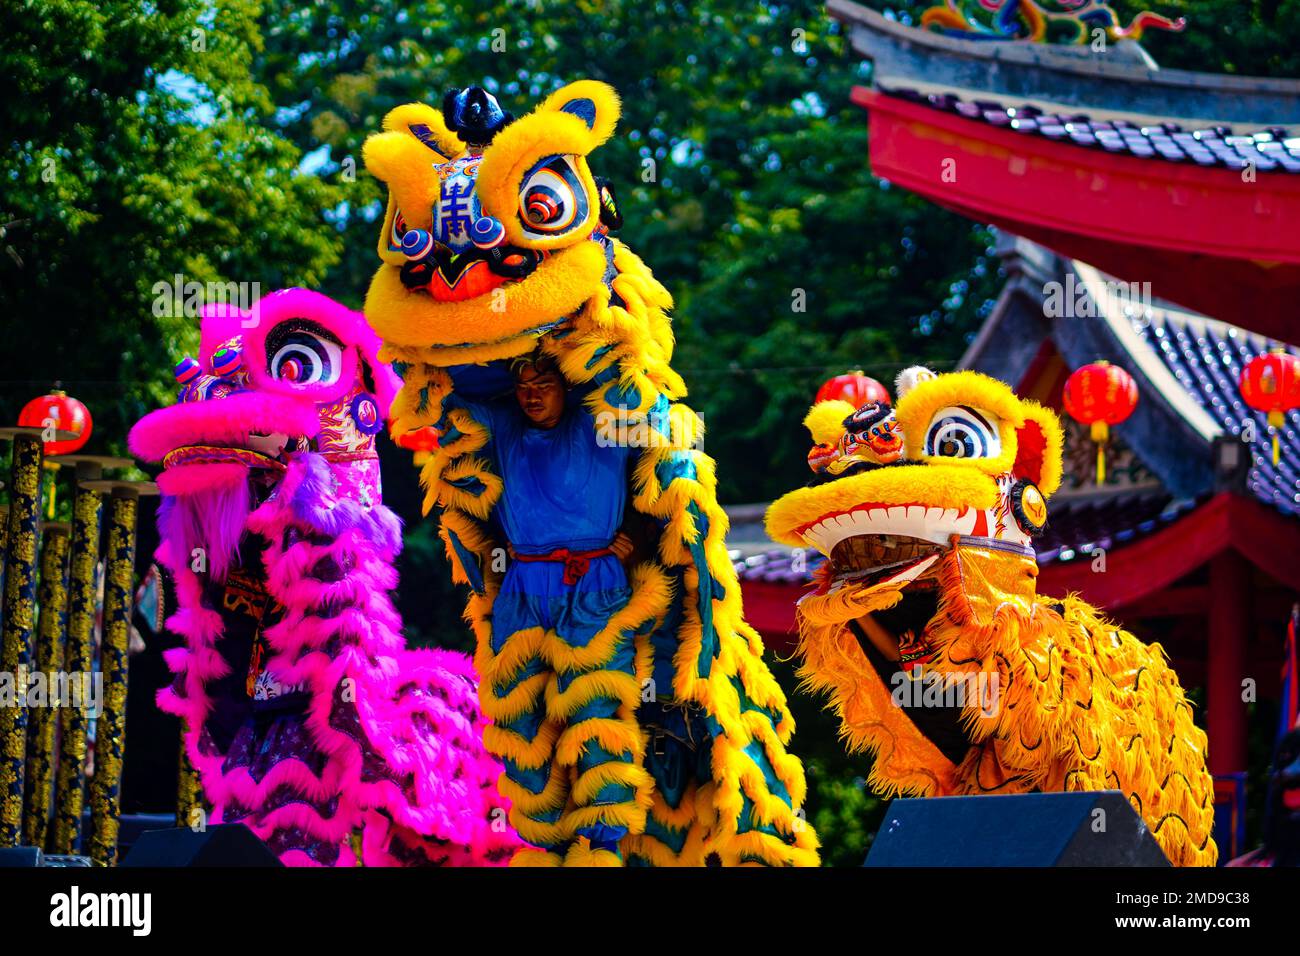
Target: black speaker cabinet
{"x":20,"y":856}
{"x":1096,"y":828}
{"x":222,"y":844}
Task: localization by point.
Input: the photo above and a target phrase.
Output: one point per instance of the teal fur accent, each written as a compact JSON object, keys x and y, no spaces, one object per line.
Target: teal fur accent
{"x":469,"y":562}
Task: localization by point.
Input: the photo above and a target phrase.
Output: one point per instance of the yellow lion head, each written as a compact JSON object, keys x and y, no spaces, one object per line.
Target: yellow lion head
{"x":495,"y":228}
{"x":977,"y":468}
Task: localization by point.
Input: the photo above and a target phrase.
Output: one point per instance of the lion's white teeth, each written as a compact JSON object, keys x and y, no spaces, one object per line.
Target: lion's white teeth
{"x":914,"y":521}
{"x":913,"y":572}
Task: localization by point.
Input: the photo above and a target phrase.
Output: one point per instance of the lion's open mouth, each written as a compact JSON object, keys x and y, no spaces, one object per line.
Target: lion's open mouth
{"x":876,"y":559}
{"x":455,"y":277}
{"x":907,"y":621}
{"x":267,"y":452}
{"x":868,"y":553}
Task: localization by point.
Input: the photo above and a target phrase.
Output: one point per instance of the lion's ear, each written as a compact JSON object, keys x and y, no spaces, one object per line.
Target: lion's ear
{"x":426,"y":126}
{"x":825,"y":420}
{"x":1039,"y":443}
{"x":593,"y":102}
{"x":415,"y":138}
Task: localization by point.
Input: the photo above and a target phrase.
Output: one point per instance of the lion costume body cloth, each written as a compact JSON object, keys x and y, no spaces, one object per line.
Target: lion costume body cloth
{"x":930,"y":587}
{"x":659,"y":725}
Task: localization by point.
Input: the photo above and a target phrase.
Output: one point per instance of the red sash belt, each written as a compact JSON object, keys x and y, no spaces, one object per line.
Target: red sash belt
{"x":576,"y":563}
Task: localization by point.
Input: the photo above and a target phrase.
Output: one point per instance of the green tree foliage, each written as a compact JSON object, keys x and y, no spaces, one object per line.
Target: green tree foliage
{"x":136,"y":146}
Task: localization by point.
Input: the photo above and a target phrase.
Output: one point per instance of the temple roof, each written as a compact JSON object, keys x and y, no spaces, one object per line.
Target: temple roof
{"x":1183,"y":180}
{"x":1266,"y":150}
{"x":1119,"y":79}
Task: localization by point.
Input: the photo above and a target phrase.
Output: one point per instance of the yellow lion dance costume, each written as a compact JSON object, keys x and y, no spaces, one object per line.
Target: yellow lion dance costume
{"x":495,"y":247}
{"x":931,"y":577}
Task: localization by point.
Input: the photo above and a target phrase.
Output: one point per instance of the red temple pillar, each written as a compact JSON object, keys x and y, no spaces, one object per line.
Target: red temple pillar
{"x":1230,"y":614}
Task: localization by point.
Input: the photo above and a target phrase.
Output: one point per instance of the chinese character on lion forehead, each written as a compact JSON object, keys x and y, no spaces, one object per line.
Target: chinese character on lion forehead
{"x":930,"y":578}
{"x":630,"y":703}
{"x":304,"y":714}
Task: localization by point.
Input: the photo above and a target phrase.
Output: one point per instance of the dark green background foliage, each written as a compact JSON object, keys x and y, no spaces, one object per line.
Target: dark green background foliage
{"x":145,"y":140}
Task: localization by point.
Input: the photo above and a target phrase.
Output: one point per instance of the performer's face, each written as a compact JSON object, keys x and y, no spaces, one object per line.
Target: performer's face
{"x":540,"y":396}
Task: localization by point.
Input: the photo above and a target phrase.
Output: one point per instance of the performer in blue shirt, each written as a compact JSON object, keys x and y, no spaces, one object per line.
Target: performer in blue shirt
{"x":562,"y":614}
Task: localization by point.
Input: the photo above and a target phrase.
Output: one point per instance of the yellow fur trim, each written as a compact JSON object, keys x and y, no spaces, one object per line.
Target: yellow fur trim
{"x":755,"y":847}
{"x":444,"y":492}
{"x":538,"y":832}
{"x":630,"y":815}
{"x":518,"y":701}
{"x":552,"y":797}
{"x":616,"y":685}
{"x":470,"y":534}
{"x":825,"y":420}
{"x":531,"y":857}
{"x":617,"y":735}
{"x":528,"y":754}
{"x":582,"y":855}
{"x":587,"y":787}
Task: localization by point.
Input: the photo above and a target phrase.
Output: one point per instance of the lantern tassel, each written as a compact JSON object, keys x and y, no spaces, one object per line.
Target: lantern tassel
{"x":1275,"y":422}
{"x":1100,"y":434}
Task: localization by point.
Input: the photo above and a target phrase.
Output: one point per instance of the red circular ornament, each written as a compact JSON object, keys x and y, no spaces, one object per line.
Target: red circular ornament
{"x":64,"y":413}
{"x":855,"y":388}
{"x":1100,"y":393}
{"x":422,"y":439}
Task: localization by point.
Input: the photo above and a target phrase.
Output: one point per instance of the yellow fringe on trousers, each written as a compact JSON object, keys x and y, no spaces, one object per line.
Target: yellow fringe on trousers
{"x":564,"y":725}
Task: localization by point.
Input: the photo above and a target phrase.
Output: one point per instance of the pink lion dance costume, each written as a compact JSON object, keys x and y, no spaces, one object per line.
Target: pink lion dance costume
{"x":305,"y":715}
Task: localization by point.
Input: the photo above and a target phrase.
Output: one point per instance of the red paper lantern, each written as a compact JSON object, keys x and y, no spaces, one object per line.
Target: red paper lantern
{"x":1100,"y":395}
{"x":62,"y":412}
{"x":1271,"y":383}
{"x":853,"y":387}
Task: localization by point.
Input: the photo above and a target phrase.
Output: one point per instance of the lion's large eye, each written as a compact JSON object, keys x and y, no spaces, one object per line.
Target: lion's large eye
{"x":552,"y":200}
{"x":960,"y":431}
{"x":302,"y":352}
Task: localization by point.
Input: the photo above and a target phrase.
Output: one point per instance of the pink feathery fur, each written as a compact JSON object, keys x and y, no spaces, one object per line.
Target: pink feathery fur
{"x":209,"y":517}
{"x":400,"y":731}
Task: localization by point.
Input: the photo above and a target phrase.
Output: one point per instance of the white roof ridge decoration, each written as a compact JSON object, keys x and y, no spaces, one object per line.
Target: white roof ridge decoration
{"x":1152,"y":367}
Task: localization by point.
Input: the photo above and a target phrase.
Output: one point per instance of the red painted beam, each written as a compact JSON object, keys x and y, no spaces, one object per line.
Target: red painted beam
{"x":1230,"y":617}
{"x":1154,"y":562}
{"x":769,"y":608}
{"x":1202,"y":237}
